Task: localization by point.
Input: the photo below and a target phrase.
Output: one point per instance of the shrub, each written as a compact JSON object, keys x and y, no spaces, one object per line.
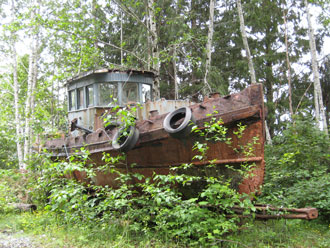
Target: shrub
{"x":153,"y":205}
{"x":13,"y":188}
{"x":297,"y":167}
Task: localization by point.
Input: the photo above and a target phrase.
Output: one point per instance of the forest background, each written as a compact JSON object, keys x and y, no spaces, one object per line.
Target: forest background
{"x":194,"y":47}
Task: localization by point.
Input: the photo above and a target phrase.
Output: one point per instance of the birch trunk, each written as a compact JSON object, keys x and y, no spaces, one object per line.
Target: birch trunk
{"x":176,"y":87}
{"x":288,"y":64}
{"x":250,"y":61}
{"x":154,"y":47}
{"x":121,"y":39}
{"x":318,"y":99}
{"x":148,"y":43}
{"x":193,"y":23}
{"x":268,"y":137}
{"x":245,"y":42}
{"x":207,"y":87}
{"x":18,"y":126}
{"x":27,"y":110}
{"x":34,"y":85}
{"x":32,"y":78}
{"x":19,"y":136}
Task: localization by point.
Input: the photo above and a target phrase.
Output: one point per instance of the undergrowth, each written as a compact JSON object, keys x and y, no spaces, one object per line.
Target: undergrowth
{"x":156,"y":212}
{"x":151,"y":207}
{"x":297,"y":169}
{"x":156,"y":208}
{"x":50,"y":232}
{"x":281,"y":233}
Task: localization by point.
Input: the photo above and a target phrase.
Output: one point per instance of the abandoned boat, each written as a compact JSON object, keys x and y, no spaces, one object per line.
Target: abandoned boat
{"x":161,"y":137}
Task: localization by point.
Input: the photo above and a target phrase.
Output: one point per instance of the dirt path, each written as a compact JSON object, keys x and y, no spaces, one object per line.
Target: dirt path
{"x":16,"y":240}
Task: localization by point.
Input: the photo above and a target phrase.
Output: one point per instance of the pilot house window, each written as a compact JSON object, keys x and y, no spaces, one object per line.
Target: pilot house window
{"x":107,"y":93}
{"x":90,"y":95}
{"x":72,"y":100}
{"x":130,"y":92}
{"x":80,"y":98}
{"x":146,"y":92}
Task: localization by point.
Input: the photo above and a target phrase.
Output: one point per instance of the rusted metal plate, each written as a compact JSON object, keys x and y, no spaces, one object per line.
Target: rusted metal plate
{"x":270,"y":212}
{"x":160,"y":107}
{"x":157,"y":151}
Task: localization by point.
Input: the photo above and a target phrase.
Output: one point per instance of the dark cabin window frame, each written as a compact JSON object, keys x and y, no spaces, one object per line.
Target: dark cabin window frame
{"x":72,"y":100}
{"x":90,"y":103}
{"x":100,"y":93}
{"x":143,"y":96}
{"x":80,"y":98}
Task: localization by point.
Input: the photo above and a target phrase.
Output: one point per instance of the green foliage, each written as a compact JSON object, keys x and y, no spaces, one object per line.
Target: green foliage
{"x":14,"y":187}
{"x":151,"y":206}
{"x":155,"y":205}
{"x":298,"y":166}
{"x":6,"y":196}
{"x":8,"y":158}
{"x":281,"y":233}
{"x":45,"y":229}
{"x":155,"y":209}
{"x":124,"y":116}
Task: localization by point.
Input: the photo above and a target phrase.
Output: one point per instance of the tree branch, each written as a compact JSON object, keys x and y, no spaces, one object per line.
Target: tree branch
{"x":129,"y":12}
{"x":114,"y":46}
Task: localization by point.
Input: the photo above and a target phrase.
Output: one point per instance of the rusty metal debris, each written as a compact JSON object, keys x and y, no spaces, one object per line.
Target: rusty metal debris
{"x":23,"y":206}
{"x":271,"y":212}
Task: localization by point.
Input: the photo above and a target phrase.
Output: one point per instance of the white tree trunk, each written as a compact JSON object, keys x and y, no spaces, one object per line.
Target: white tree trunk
{"x":245,"y":42}
{"x":288,"y":64}
{"x":19,"y":136}
{"x":207,"y":87}
{"x":268,"y":137}
{"x":250,"y":61}
{"x":318,"y":99}
{"x":176,"y":86}
{"x":34,"y":86}
{"x":148,"y":42}
{"x":32,"y":80}
{"x":154,"y":47}
{"x":19,"y":131}
{"x":121,"y":39}
{"x":23,"y":128}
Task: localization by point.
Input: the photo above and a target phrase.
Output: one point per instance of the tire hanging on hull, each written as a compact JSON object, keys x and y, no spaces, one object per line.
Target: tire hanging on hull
{"x":178,"y":123}
{"x":124,"y":143}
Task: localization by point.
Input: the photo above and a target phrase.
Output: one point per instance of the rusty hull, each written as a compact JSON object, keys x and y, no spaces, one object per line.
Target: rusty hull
{"x":156,"y":151}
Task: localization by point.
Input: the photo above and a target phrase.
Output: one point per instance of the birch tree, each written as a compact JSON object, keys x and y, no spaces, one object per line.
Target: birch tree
{"x":207,"y":87}
{"x":18,"y":124}
{"x":245,"y":42}
{"x":154,"y":46}
{"x":31,"y":84}
{"x":318,"y":99}
{"x":249,"y":57}
{"x":288,"y":63}
{"x":23,"y":112}
{"x":176,"y":86}
{"x":29,"y":104}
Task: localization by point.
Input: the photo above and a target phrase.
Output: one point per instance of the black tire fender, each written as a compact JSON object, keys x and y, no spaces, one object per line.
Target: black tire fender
{"x":125,"y":143}
{"x":184,"y":129}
